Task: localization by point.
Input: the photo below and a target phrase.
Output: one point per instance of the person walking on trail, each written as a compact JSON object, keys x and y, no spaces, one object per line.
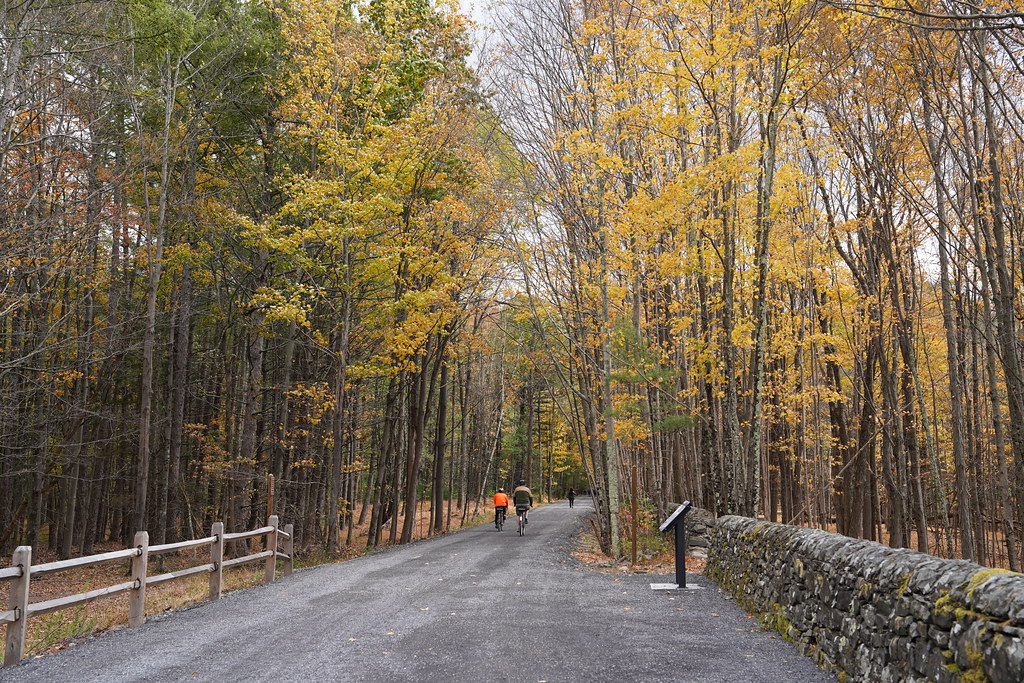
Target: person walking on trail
{"x":572,"y":497}
{"x":500,"y":506}
{"x":522,"y":497}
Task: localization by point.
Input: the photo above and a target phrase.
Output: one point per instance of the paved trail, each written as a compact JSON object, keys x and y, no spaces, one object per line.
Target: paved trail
{"x":476,"y":605}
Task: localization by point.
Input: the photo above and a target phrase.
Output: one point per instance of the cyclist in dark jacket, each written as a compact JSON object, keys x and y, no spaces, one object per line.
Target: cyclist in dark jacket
{"x":522,"y":498}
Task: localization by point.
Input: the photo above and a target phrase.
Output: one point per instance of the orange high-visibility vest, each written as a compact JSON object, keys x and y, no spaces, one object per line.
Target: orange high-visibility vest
{"x":500,"y":499}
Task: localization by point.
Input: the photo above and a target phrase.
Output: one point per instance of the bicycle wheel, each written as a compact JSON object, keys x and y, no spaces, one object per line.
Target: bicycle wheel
{"x":501,"y":520}
{"x":522,"y":527}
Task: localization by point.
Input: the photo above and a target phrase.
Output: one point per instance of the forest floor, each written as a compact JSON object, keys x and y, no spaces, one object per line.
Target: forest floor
{"x":655,"y":555}
{"x":58,"y":630}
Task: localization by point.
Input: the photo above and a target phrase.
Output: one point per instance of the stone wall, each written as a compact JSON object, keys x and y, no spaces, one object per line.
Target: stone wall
{"x":870,"y":612}
{"x":698,"y":532}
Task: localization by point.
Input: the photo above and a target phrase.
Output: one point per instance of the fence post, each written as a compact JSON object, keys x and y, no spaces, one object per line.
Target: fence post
{"x":216,"y":559}
{"x":18,"y":601}
{"x":289,"y":549}
{"x":270,"y":567}
{"x":140,"y":563}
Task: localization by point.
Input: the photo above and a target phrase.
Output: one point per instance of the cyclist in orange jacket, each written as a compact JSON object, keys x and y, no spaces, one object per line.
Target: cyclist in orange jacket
{"x":500,"y":506}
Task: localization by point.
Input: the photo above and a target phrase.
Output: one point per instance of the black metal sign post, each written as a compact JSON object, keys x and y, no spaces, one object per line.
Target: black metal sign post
{"x":677,"y":520}
{"x":681,"y":552}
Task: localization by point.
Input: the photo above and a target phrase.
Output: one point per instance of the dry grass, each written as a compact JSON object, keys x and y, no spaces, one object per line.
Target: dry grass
{"x":56,"y":631}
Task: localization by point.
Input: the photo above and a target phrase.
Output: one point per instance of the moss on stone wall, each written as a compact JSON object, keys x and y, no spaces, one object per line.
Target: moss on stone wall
{"x":775,"y":619}
{"x":984,"y":575}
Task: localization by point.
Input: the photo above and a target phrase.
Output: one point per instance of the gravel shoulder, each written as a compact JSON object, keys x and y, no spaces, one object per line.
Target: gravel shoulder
{"x":472,"y":605}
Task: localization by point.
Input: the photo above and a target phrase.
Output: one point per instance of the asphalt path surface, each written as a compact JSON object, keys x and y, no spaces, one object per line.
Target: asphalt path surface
{"x":475,"y":605}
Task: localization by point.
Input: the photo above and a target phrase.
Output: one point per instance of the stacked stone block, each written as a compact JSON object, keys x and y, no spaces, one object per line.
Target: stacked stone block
{"x":698,"y":532}
{"x":871,"y":612}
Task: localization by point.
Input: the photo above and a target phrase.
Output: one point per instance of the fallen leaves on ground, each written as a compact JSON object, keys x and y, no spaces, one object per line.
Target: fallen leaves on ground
{"x":650,"y":561}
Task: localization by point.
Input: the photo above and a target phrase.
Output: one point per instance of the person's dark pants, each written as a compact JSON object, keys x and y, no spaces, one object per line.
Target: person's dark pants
{"x":503,"y":508}
{"x":571,"y":500}
{"x":522,"y":510}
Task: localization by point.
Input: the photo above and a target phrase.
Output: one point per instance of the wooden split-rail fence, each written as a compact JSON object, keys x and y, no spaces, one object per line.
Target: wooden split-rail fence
{"x":21,"y":572}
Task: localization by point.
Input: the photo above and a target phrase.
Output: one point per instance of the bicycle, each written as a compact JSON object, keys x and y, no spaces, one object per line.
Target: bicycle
{"x":499,"y":518}
{"x":521,"y":513}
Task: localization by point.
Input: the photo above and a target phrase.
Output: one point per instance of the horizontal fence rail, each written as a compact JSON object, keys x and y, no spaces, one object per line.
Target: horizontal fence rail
{"x":37,"y":608}
{"x":88,"y":561}
{"x":22,"y":571}
{"x":10,"y":573}
{"x":248,"y":534}
{"x":183,"y":545}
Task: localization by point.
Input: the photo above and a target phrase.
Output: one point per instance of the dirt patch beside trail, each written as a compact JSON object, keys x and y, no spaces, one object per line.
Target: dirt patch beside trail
{"x":655,"y":555}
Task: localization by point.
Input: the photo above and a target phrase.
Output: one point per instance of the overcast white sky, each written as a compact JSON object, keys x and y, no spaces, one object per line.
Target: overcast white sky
{"x":478,"y":11}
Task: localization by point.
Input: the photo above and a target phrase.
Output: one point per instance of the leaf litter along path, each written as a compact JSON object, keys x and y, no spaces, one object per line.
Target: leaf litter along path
{"x":473,"y":605}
